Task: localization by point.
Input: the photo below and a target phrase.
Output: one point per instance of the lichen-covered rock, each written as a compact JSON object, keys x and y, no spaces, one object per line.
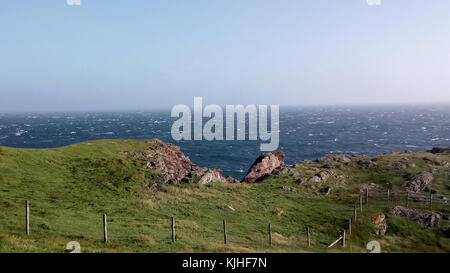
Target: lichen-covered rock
{"x":263,"y":166}
{"x":173,"y":166}
{"x":418,"y":182}
{"x":428,"y":220}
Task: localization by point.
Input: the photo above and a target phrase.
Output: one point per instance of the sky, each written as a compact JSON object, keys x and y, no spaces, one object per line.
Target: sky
{"x":124,"y":55}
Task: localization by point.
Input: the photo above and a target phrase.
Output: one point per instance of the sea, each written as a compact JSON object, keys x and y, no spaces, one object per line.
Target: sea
{"x":305,"y":132}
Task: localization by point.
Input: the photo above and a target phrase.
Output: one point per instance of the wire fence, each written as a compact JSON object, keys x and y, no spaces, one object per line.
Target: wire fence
{"x":116,"y":228}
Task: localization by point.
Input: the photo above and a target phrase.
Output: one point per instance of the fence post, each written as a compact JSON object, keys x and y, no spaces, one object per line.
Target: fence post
{"x":270,"y":234}
{"x":367,"y":196}
{"x":360,"y":202}
{"x":431,"y":200}
{"x":105,"y":229}
{"x":349,"y":226}
{"x":388,"y":196}
{"x":173,"y":229}
{"x":343,"y":239}
{"x":356,"y":215}
{"x":308,"y":237}
{"x":407,"y":199}
{"x":224,"y":232}
{"x":27,"y":217}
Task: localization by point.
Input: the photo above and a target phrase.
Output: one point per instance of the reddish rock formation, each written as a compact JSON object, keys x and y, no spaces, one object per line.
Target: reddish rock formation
{"x":264,"y":165}
{"x":380,"y":225}
{"x":173,"y":166}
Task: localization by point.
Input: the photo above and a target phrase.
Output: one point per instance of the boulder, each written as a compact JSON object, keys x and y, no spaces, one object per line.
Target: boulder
{"x":263,"y":166}
{"x":321,"y":176}
{"x":428,"y":220}
{"x":418,"y":182}
{"x":380,"y":224}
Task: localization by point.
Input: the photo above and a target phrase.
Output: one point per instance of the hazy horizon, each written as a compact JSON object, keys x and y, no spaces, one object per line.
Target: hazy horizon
{"x":122,"y":56}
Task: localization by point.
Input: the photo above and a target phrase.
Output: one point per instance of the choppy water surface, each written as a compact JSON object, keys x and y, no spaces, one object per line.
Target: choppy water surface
{"x":305,"y":132}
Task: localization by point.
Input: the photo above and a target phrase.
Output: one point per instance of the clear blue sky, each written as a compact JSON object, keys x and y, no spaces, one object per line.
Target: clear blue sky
{"x":119,"y":54}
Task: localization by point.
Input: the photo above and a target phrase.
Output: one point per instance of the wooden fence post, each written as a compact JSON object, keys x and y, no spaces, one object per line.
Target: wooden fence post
{"x":173,"y":229}
{"x":308,"y":237}
{"x":224,"y":232}
{"x":270,"y":234}
{"x":367,"y":196}
{"x":388,"y":196}
{"x":27,"y":217}
{"x":343,"y":239}
{"x":105,"y":229}
{"x":360,"y":202}
{"x":356,"y":215}
{"x":349,"y":226}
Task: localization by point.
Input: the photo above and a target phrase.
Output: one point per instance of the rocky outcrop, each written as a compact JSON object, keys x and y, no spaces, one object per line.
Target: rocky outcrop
{"x":440,"y":150}
{"x":401,"y":164}
{"x":321,"y":176}
{"x":380,"y":224}
{"x":428,"y":220}
{"x":418,"y":182}
{"x":173,"y":166}
{"x":436,"y":162}
{"x":263,"y":166}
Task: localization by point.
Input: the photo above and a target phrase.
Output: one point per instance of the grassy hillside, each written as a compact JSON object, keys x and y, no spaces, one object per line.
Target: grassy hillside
{"x":70,"y":188}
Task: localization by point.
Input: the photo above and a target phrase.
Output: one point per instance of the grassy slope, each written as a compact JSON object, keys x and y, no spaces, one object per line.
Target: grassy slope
{"x":70,"y":188}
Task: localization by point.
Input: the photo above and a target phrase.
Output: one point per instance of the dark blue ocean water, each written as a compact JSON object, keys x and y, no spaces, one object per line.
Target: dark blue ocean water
{"x":305,"y":132}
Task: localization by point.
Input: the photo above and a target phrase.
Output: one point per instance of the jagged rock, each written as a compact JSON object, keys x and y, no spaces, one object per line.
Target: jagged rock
{"x":418,"y":182}
{"x":212,"y":175}
{"x":232,"y":179}
{"x":285,"y":169}
{"x":321,"y":176}
{"x":173,"y":166}
{"x":380,"y":224}
{"x":428,"y":220}
{"x":440,"y":150}
{"x":263,"y":166}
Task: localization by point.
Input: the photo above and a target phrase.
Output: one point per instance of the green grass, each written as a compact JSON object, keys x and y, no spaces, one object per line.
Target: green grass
{"x":70,"y":188}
